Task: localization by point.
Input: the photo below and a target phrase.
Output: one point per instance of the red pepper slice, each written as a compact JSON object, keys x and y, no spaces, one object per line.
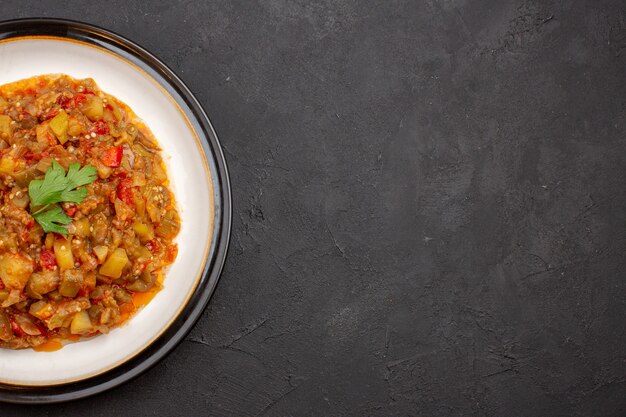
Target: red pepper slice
{"x":47,"y":259}
{"x":112,"y":157}
{"x":125,"y":190}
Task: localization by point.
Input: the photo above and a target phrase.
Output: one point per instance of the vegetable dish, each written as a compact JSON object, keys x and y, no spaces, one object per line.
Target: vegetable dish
{"x":87,"y":219}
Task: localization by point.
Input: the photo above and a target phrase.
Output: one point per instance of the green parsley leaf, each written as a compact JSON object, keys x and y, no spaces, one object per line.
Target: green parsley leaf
{"x":49,"y":189}
{"x":53,"y":220}
{"x":78,"y":176}
{"x":57,"y":187}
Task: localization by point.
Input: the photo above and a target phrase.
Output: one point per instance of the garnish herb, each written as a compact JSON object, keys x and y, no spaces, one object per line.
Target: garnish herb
{"x":58,"y":187}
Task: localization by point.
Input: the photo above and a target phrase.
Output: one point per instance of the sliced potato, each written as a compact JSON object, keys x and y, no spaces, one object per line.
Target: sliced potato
{"x":8,"y":165}
{"x":74,"y":126}
{"x":116,"y":263}
{"x":82,"y":227}
{"x":59,"y":125}
{"x":144,"y":231}
{"x":93,"y":108}
{"x":81,"y":323}
{"x":101,"y":252}
{"x":6,"y":333}
{"x":63,"y":253}
{"x":43,"y":131}
{"x":42,"y":282}
{"x":71,"y":282}
{"x":42,"y":310}
{"x":5,"y":127}
{"x":15,"y":270}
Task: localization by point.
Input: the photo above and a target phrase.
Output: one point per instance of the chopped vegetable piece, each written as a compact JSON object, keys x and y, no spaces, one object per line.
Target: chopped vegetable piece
{"x":112,"y":157}
{"x":43,"y":282}
{"x":63,"y":253}
{"x":47,"y":260}
{"x":71,"y":282}
{"x":59,"y":124}
{"x":5,"y":127}
{"x":6,"y":333}
{"x":101,"y":253}
{"x":144,"y":231}
{"x":81,"y":323}
{"x":125,"y":191}
{"x":7,"y":165}
{"x":41,"y":309}
{"x":115,"y":264}
{"x":93,"y":108}
{"x":101,"y":128}
{"x":15,"y":269}
{"x":82,"y":226}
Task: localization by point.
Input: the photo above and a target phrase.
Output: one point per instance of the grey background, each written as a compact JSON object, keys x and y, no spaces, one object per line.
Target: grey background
{"x":429,"y":207}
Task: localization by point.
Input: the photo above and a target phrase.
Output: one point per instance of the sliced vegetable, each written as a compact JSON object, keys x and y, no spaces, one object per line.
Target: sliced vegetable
{"x":5,"y":127}
{"x":112,"y":157}
{"x":71,"y":282}
{"x":63,"y":253}
{"x":81,"y":323}
{"x":116,"y":263}
{"x":6,"y":333}
{"x":7,"y":165}
{"x":42,"y":310}
{"x":125,"y":191}
{"x":41,"y":283}
{"x":15,"y":270}
{"x":101,"y":252}
{"x":59,"y":125}
{"x":93,"y":108}
{"x":47,"y":260}
{"x":144,"y":231}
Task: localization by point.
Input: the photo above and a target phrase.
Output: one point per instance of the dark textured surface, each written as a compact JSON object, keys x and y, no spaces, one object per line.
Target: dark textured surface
{"x":430,"y":204}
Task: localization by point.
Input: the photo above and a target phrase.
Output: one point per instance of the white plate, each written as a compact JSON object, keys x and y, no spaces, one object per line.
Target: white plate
{"x":192,"y":181}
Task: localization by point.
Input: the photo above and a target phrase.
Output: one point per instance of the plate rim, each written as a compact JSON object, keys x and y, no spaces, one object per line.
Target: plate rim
{"x":192,"y":311}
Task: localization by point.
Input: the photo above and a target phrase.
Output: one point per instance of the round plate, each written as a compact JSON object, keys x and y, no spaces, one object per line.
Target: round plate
{"x":198,"y":177}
